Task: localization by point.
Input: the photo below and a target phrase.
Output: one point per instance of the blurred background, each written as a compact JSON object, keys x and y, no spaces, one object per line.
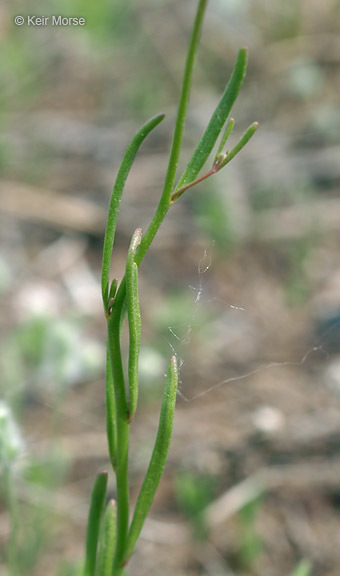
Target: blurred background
{"x":242,"y":283}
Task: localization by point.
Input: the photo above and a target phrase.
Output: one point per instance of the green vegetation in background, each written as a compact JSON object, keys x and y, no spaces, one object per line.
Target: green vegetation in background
{"x":250,"y":544}
{"x":281,"y":195}
{"x":178,"y":312}
{"x":213,"y":217}
{"x":50,"y":351}
{"x":302,"y":569}
{"x":70,"y":569}
{"x":194,"y":491}
{"x":293,"y":256}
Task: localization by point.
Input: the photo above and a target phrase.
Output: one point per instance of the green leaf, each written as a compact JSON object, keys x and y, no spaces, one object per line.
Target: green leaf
{"x":116,"y":197}
{"x":241,"y":144}
{"x":134,"y":318}
{"x":93,"y":525}
{"x":158,"y":458}
{"x":107,"y":540}
{"x":227,"y":132}
{"x":113,"y":288}
{"x":217,"y":121}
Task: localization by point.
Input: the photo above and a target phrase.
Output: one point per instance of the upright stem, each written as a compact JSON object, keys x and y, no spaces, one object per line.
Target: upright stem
{"x":165,"y":199}
{"x":122,"y":430}
{"x":119,"y":308}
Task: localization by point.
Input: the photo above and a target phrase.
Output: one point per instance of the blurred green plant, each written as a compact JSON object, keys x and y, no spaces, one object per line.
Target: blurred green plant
{"x":213,"y":217}
{"x":119,"y":535}
{"x":193,"y":493}
{"x":296,"y":281}
{"x":69,"y":569}
{"x":11,"y":448}
{"x":302,"y":569}
{"x":30,"y":526}
{"x":250,"y":544}
{"x":52,"y":353}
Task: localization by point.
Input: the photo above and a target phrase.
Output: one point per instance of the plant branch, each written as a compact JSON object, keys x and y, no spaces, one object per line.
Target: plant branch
{"x":165,"y":200}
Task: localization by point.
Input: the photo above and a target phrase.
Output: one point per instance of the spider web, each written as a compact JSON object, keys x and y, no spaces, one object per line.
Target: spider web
{"x":180,"y":344}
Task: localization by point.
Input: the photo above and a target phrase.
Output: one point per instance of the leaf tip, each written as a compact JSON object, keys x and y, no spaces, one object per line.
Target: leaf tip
{"x":136,"y":240}
{"x":174,"y":365}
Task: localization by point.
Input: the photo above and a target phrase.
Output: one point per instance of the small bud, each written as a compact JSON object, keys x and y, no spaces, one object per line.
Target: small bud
{"x":220,"y":159}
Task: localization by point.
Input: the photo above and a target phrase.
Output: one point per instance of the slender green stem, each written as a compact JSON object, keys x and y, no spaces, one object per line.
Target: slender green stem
{"x":181,"y":191}
{"x":165,"y":200}
{"x":110,"y":410}
{"x":122,"y":429}
{"x":126,"y":300}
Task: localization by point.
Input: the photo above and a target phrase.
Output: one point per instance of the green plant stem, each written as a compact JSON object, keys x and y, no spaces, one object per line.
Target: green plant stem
{"x":119,"y":308}
{"x":122,"y":430}
{"x":111,"y":431}
{"x":180,"y":191}
{"x":165,"y":200}
{"x":126,"y":298}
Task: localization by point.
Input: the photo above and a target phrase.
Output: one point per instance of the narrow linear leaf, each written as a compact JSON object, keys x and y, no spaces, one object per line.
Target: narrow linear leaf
{"x":95,"y":514}
{"x":217,"y":121}
{"x":111,"y":431}
{"x":116,"y":197}
{"x":113,"y":288}
{"x":158,"y":458}
{"x":241,"y":144}
{"x":134,"y":319}
{"x":227,"y":132}
{"x":107,"y":540}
